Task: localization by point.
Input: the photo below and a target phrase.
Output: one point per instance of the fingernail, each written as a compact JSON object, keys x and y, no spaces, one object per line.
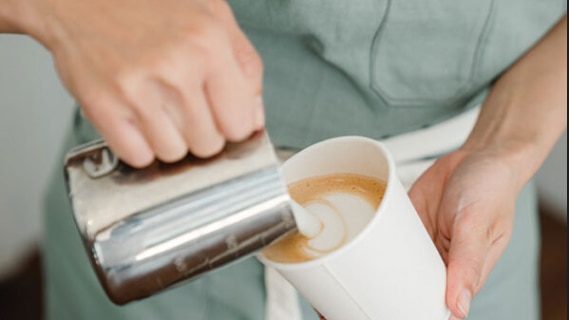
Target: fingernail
{"x":259,"y":113}
{"x":464,"y":302}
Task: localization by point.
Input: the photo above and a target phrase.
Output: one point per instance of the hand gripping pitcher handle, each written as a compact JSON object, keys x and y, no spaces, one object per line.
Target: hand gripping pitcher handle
{"x":145,"y":230}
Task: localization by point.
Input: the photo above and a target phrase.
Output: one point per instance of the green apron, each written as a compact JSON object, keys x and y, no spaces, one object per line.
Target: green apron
{"x":373,"y":68}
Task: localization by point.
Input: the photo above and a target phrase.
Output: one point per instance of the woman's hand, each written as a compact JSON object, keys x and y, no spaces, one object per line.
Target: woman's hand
{"x":155,"y":78}
{"x":466,"y":201}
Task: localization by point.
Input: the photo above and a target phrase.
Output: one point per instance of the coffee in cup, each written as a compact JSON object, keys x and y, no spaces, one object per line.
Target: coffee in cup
{"x":343,"y":202}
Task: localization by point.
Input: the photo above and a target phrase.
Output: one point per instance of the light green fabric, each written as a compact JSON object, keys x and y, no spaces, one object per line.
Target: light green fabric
{"x":379,"y":68}
{"x":369,"y":67}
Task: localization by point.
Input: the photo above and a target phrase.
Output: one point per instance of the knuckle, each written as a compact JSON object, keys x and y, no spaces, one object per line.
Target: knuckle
{"x":250,"y":62}
{"x":144,"y":112}
{"x":204,"y":37}
{"x":126,"y":82}
{"x":127,"y":75}
{"x":137,"y":101}
{"x":470,"y":223}
{"x":499,"y":232}
{"x":96,"y":108}
{"x":93,"y":110}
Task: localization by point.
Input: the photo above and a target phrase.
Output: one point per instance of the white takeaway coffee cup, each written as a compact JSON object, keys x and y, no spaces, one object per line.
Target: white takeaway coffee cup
{"x":391,"y":269}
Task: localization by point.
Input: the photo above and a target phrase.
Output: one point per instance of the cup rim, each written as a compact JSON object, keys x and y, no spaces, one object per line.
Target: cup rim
{"x":391,"y":176}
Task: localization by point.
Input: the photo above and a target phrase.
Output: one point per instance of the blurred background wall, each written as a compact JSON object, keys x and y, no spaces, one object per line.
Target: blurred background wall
{"x":35,"y":111}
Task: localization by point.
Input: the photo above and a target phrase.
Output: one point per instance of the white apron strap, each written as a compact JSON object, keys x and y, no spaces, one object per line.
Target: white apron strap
{"x":282,"y":300}
{"x":432,"y":141}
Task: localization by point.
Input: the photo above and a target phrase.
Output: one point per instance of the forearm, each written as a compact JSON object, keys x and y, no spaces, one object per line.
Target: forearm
{"x":526,"y":111}
{"x":8,"y":16}
{"x":19,"y":16}
{"x":6,"y":25}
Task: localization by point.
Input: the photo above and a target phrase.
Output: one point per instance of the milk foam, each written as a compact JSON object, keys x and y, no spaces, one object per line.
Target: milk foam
{"x":308,"y":224}
{"x":343,"y":216}
{"x":343,"y":203}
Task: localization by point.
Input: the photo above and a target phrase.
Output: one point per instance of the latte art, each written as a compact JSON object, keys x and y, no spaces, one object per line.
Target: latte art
{"x":344,"y":203}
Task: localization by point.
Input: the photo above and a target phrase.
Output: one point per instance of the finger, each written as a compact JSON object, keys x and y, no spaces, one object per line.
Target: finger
{"x":252,"y":67}
{"x":230,"y":98}
{"x":179,"y":89}
{"x":425,"y":194}
{"x":467,"y":260}
{"x":117,"y":128}
{"x":247,"y":58}
{"x":442,"y":243}
{"x":157,"y":124}
{"x":163,"y":136}
{"x":199,"y":129}
{"x":130,"y":145}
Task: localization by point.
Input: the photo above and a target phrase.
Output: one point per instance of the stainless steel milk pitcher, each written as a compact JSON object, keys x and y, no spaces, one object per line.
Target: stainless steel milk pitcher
{"x":148,"y":229}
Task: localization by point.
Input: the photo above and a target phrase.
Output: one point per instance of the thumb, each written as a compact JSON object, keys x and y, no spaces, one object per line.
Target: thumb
{"x":467,"y":266}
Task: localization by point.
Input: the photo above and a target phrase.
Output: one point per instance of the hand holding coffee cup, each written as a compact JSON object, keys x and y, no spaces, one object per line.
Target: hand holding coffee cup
{"x":372,"y":258}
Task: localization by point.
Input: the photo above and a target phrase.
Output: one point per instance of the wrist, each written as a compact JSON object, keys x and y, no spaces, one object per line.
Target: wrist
{"x":520,"y":156}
